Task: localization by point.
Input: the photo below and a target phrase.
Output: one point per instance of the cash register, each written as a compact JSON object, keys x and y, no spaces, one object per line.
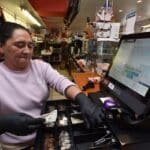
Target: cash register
{"x":124,"y":98}
{"x":125,"y":94}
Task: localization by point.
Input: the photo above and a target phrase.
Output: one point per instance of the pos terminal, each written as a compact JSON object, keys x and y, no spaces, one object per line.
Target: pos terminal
{"x":128,"y":85}
{"x":124,"y":100}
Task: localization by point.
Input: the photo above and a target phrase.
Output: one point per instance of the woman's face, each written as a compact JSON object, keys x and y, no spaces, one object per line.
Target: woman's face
{"x":18,"y":50}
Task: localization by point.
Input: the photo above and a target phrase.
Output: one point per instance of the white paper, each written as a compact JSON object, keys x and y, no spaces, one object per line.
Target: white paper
{"x":103,"y":99}
{"x":50,"y":117}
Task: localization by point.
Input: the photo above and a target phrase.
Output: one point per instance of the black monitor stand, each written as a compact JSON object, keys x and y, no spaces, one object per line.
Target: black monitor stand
{"x":130,"y":138}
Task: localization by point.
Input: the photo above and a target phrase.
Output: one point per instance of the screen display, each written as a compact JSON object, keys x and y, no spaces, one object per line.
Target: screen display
{"x":131,"y":66}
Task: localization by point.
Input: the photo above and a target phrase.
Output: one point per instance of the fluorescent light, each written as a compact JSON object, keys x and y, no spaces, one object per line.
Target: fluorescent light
{"x":139,"y":1}
{"x":28,"y":15}
{"x":146,"y":26}
{"x":120,"y":10}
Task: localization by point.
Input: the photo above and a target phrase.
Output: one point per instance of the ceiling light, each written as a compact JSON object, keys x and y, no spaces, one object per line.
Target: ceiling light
{"x":139,"y":1}
{"x":146,"y":26}
{"x":28,"y":15}
{"x":120,"y":10}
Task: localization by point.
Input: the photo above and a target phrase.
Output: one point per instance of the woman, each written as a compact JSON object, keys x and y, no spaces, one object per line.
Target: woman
{"x":24,"y":83}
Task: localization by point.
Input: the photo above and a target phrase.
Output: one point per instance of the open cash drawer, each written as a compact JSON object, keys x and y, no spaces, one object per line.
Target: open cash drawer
{"x":69,"y":131}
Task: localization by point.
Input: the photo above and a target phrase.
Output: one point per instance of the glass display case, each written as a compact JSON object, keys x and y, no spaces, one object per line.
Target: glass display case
{"x":106,"y":50}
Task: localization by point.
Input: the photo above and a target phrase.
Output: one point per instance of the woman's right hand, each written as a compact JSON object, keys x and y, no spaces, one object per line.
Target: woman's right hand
{"x":20,"y":124}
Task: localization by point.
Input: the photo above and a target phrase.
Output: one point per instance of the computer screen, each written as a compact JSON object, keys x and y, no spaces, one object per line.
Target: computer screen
{"x":131,"y":66}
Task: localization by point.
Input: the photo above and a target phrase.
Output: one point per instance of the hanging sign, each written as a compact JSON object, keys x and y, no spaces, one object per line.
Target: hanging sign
{"x":130,"y":22}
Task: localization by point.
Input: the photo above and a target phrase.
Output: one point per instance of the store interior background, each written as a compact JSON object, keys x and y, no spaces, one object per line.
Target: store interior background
{"x":51,"y":13}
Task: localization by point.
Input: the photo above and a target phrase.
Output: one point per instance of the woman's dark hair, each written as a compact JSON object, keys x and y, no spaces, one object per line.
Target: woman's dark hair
{"x":7,"y":29}
{"x":2,"y":17}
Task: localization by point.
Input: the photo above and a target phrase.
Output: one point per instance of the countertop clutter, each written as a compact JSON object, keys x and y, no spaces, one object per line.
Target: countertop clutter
{"x":82,"y":79}
{"x":70,"y":132}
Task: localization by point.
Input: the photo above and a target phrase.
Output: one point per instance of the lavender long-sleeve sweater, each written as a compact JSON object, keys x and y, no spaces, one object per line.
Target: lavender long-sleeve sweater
{"x":26,"y":91}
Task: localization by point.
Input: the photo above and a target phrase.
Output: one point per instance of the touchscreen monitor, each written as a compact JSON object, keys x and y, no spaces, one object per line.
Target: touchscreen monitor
{"x":131,"y":66}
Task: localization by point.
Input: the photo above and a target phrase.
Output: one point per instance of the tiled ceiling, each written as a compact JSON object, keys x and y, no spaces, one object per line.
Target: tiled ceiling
{"x":142,"y":9}
{"x":13,"y":7}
